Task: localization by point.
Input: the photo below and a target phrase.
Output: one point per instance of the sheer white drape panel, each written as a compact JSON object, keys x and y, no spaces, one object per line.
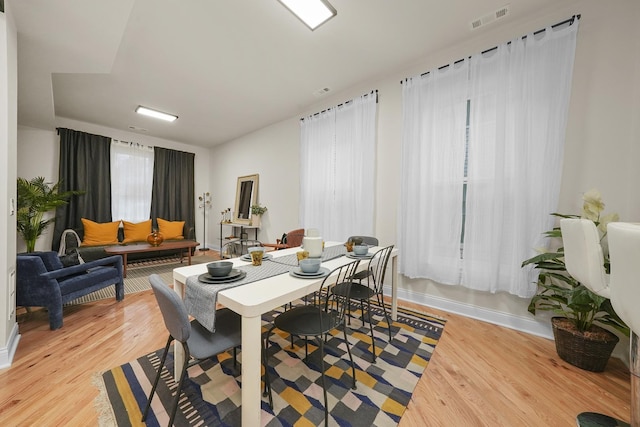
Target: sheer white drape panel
{"x":131,"y":181}
{"x":433,"y":150}
{"x":337,"y":169}
{"x":519,"y":97}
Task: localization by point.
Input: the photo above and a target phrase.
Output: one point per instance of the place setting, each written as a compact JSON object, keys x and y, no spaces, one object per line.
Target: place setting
{"x":360,"y":252}
{"x":221,"y":272}
{"x":309,"y":268}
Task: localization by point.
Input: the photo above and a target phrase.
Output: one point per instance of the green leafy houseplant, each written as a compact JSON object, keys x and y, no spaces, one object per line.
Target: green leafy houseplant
{"x":258,"y":210}
{"x":564,"y":295}
{"x":35,"y":198}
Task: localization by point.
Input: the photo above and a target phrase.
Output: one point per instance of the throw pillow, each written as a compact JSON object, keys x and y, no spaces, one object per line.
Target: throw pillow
{"x":136,"y":232}
{"x":171,"y":230}
{"x":100,"y":233}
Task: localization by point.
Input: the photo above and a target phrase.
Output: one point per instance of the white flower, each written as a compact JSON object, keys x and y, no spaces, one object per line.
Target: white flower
{"x":592,"y":205}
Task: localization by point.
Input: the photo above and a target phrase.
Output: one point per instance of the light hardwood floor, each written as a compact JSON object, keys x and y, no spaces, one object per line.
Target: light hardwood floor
{"x":480,"y":374}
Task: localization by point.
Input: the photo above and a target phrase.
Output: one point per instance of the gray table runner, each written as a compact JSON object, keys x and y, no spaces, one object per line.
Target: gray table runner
{"x":200,"y":298}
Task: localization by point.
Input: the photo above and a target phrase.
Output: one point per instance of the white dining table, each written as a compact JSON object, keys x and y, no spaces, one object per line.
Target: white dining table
{"x":251,"y":301}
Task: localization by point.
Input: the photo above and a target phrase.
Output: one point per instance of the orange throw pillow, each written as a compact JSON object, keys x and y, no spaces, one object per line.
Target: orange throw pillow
{"x":99,"y":233}
{"x":171,"y":230}
{"x":136,"y":232}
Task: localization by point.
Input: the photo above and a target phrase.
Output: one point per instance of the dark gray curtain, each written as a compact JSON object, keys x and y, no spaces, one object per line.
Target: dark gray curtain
{"x":84,"y":165}
{"x":173,"y":187}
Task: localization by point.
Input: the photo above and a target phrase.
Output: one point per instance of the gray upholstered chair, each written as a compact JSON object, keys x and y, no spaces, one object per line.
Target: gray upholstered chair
{"x":367,"y":240}
{"x":42,"y":281}
{"x":198,"y":343}
{"x":624,"y":250}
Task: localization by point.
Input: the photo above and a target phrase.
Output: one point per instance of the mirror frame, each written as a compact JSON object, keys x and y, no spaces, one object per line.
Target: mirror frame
{"x":238,"y":217}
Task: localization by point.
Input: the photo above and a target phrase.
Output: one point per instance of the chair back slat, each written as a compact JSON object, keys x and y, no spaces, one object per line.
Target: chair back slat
{"x":378,"y":267}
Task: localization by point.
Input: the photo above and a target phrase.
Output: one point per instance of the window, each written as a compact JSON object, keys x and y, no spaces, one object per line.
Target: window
{"x":482,"y":160}
{"x":131,"y":181}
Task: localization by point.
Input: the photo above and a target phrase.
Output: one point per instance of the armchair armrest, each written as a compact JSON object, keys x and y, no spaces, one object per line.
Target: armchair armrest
{"x":114,"y":260}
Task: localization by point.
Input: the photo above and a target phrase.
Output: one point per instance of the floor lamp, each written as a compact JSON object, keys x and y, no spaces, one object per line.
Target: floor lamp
{"x":205,"y":203}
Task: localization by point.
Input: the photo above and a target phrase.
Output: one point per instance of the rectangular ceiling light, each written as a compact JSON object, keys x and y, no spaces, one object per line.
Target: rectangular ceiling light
{"x":154,"y":113}
{"x":312,"y":12}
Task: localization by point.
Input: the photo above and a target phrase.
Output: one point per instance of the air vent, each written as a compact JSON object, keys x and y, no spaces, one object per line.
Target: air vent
{"x":138,"y":129}
{"x":322,"y":91}
{"x":491,"y":17}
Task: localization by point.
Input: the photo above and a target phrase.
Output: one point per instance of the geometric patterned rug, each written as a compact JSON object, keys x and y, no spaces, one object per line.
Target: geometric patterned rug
{"x":211,"y":396}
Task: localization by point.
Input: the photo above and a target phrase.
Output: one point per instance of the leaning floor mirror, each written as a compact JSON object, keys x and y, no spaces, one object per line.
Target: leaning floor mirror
{"x":246,"y":195}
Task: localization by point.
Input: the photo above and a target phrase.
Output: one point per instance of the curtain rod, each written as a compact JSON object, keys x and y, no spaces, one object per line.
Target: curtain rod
{"x":344,"y":103}
{"x":131,"y":143}
{"x":542,"y":30}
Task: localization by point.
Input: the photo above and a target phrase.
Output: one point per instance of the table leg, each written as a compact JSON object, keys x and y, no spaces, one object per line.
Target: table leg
{"x":124,"y":264}
{"x":394,"y":288}
{"x":251,"y":370}
{"x":189,"y":255}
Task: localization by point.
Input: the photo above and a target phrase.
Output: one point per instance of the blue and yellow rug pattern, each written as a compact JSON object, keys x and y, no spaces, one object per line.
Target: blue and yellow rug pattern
{"x":212,"y":394}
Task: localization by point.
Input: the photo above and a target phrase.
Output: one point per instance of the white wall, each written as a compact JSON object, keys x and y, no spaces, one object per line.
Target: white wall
{"x":38,"y":155}
{"x":9,"y":336}
{"x":601,"y":148}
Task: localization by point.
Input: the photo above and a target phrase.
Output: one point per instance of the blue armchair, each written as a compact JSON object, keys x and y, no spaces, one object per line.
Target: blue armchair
{"x":42,"y":281}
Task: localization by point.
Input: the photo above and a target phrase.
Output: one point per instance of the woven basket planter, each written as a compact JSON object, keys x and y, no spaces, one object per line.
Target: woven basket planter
{"x":587,"y":350}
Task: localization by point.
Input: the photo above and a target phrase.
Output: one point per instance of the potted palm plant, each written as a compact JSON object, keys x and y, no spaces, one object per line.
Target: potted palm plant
{"x":580,"y":338}
{"x":35,"y":198}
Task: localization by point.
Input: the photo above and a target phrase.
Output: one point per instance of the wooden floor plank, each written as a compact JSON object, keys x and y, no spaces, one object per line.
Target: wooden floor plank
{"x":479,"y":375}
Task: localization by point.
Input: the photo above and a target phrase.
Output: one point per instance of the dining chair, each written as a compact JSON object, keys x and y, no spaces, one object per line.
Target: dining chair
{"x":584,"y":260}
{"x":292,"y":239}
{"x":367,"y":240}
{"x":198,"y":343}
{"x":239,"y":247}
{"x":372,"y":287}
{"x":624,"y":251}
{"x":316,"y":320}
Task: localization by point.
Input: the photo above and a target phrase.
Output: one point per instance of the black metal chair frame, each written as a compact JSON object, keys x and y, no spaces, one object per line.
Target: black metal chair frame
{"x":316,"y":320}
{"x":364,"y":292}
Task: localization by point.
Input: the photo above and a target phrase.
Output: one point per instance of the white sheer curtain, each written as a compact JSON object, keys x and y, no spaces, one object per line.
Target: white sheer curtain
{"x":433,"y":151}
{"x":131,"y":181}
{"x":337,"y":169}
{"x":519,"y":97}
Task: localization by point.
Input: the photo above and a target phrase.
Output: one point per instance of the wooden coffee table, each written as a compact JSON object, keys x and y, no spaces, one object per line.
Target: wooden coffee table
{"x":125,"y":250}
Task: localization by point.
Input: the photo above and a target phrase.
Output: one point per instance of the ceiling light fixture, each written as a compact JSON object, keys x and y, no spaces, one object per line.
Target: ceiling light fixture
{"x":312,"y":12}
{"x":154,"y":113}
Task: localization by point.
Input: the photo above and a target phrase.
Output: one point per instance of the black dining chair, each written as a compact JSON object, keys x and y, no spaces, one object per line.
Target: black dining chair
{"x":366,"y":240}
{"x":198,"y":343}
{"x":371,"y":287}
{"x":317,"y":319}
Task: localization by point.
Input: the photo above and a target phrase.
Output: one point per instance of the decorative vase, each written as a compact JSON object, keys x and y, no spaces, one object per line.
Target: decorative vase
{"x":589,"y":350}
{"x":255,"y":220}
{"x":155,"y":238}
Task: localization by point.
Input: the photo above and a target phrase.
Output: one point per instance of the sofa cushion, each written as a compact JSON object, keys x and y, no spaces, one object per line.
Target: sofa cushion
{"x":136,"y":232}
{"x":171,"y":230}
{"x":95,"y":233}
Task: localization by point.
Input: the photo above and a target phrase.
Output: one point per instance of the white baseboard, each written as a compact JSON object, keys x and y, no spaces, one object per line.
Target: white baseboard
{"x":519,"y":323}
{"x":7,"y":353}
